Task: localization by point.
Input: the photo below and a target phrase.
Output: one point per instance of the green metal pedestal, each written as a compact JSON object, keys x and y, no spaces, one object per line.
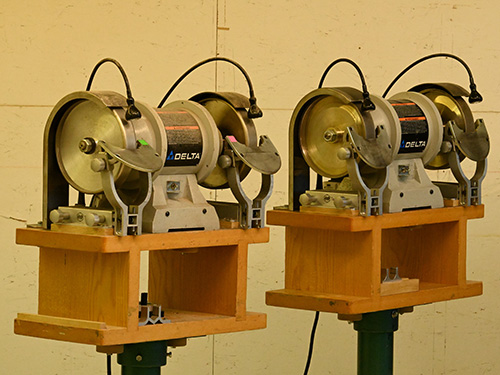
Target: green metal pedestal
{"x":376,"y":342}
{"x":143,"y":358}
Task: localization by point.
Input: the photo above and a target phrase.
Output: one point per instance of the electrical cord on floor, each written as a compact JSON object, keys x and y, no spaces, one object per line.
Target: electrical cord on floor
{"x":311,"y":343}
{"x":108,"y":363}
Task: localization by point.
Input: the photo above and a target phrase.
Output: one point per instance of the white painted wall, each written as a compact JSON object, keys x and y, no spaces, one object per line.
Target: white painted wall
{"x":48,"y":49}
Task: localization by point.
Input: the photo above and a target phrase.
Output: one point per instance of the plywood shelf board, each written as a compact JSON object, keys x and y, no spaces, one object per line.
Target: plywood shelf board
{"x":360,"y":223}
{"x":158,"y":241}
{"x":184,"y":324}
{"x":342,"y":304}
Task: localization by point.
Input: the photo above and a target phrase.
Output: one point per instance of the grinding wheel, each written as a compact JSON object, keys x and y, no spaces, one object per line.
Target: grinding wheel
{"x":87,"y":119}
{"x":329,"y":114}
{"x":100,"y":116}
{"x":230,"y":116}
{"x":451,"y":108}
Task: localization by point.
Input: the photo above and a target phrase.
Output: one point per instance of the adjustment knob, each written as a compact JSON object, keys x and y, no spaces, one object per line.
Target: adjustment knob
{"x":307,"y":199}
{"x":93,"y":220}
{"x":98,"y":164}
{"x":224,"y":161}
{"x":58,"y":216}
{"x":344,"y":153}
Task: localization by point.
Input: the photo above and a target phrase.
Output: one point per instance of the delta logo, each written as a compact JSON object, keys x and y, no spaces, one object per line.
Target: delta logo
{"x":183,"y":156}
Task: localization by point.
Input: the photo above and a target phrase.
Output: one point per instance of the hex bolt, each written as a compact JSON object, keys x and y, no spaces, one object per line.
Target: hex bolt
{"x":330,"y":135}
{"x":87,"y":145}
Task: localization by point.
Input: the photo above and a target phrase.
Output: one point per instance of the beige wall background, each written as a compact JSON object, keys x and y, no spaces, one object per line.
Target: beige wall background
{"x":48,"y":49}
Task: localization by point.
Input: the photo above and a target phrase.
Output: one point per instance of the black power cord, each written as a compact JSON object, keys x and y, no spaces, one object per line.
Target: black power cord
{"x":311,"y":343}
{"x":367,"y":103}
{"x":132,"y":111}
{"x":474,"y":96}
{"x":108,"y":363}
{"x":253,"y":112}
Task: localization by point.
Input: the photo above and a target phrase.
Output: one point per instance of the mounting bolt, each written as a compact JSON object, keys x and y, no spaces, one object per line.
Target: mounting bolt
{"x":330,"y":135}
{"x":173,"y":186}
{"x":87,"y":145}
{"x":138,"y":358}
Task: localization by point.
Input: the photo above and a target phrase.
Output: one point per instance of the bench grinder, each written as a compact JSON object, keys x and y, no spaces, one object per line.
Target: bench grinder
{"x":142,"y":165}
{"x":373,"y":151}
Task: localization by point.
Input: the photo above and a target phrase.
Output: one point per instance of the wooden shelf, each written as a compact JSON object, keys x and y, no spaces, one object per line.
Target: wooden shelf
{"x":89,"y":285}
{"x":115,"y":244}
{"x":333,"y":263}
{"x":352,"y":305}
{"x":183,"y":324}
{"x":350,"y":223}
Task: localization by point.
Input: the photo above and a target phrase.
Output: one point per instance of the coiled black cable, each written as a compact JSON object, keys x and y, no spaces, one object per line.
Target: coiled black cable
{"x":132,"y":111}
{"x":367,"y":104}
{"x":474,"y":96}
{"x":253,"y":112}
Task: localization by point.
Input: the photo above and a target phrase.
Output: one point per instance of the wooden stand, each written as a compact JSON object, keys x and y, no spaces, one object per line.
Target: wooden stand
{"x":89,"y":285}
{"x":333,"y":263}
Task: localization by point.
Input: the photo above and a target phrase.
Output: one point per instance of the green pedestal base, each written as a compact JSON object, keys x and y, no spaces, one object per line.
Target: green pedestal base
{"x":376,"y":342}
{"x":143,"y":358}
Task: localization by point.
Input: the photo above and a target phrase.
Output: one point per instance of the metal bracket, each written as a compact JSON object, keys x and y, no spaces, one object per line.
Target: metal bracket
{"x":252,"y":212}
{"x":376,"y":152}
{"x":475,"y":146}
{"x":151,"y":314}
{"x":266,"y":160}
{"x":391,"y":275}
{"x":143,"y":159}
{"x":128,"y":218}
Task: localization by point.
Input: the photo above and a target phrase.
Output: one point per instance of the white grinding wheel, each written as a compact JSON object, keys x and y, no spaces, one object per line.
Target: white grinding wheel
{"x":87,"y":118}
